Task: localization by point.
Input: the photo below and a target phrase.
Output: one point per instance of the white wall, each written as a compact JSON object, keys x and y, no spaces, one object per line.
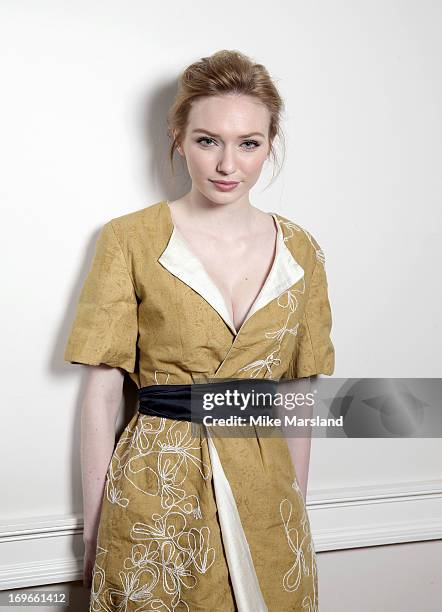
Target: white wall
{"x":85,"y":87}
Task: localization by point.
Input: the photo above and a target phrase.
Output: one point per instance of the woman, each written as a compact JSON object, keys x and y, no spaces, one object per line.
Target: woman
{"x":203,"y":288}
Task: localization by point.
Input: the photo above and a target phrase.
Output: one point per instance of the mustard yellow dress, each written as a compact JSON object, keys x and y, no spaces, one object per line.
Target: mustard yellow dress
{"x":190,"y":522}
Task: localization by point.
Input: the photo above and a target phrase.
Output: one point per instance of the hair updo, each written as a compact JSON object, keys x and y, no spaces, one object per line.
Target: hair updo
{"x":224,"y":72}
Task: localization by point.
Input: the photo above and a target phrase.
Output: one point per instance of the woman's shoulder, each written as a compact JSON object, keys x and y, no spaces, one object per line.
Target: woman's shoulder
{"x":149,"y":215}
{"x":140,"y":233}
{"x":143,"y":227}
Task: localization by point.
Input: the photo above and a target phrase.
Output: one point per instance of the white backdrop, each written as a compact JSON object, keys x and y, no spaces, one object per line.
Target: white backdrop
{"x":85,"y":88}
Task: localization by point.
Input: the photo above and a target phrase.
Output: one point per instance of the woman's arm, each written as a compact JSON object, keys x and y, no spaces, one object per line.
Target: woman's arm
{"x":99,"y":413}
{"x":299,"y":447}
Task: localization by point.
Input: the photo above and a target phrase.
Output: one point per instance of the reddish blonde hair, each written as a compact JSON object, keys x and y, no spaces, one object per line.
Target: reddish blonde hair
{"x":224,"y":72}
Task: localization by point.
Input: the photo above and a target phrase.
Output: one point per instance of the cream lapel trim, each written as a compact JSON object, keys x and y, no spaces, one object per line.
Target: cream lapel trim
{"x":246,"y":587}
{"x":180,"y":261}
{"x":284,"y":273}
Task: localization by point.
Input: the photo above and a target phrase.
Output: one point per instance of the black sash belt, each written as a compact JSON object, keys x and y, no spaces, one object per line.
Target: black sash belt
{"x":185,"y":402}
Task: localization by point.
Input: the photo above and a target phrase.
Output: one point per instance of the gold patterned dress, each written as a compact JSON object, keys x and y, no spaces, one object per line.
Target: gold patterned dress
{"x":191,"y":522}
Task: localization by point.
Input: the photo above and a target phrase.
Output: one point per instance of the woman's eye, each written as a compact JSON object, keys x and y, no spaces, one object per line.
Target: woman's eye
{"x":205,"y":139}
{"x":253,"y":142}
{"x":200,"y":140}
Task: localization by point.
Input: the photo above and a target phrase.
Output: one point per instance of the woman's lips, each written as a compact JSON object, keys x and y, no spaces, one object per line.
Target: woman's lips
{"x":225,"y":186}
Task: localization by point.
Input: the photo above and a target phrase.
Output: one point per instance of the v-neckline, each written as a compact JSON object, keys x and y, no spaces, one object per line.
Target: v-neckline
{"x":180,"y":259}
{"x":211,"y":280}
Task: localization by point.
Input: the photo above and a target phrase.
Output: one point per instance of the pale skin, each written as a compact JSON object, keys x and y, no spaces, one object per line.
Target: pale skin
{"x":235,"y":242}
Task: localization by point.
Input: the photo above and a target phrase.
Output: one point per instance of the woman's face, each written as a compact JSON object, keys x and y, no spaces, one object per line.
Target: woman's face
{"x":226,"y":140}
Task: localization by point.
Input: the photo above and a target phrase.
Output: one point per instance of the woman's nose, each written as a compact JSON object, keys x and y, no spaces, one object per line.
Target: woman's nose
{"x":226,"y":162}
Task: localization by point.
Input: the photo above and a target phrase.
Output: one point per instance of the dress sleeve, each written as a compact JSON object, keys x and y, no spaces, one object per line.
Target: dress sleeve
{"x":105,"y":327}
{"x":314,"y":352}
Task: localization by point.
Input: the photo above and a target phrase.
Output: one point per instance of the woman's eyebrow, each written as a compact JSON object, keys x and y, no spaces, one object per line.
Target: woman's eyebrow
{"x":218,"y":136}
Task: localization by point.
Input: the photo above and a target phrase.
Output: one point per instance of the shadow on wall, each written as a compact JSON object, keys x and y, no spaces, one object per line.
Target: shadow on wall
{"x":149,"y":124}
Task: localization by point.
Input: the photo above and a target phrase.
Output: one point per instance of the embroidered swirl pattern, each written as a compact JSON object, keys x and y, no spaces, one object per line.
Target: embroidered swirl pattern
{"x":299,"y":540}
{"x":166,"y":552}
{"x":289,"y":302}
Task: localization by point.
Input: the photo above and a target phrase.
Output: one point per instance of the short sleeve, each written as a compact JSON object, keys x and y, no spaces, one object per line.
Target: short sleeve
{"x":314,"y":351}
{"x":105,"y":327}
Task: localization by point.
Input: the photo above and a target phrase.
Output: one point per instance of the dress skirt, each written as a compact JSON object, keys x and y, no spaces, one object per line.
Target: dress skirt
{"x":195,"y":523}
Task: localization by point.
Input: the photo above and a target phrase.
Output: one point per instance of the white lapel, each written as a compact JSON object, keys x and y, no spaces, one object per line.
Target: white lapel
{"x":284,"y":273}
{"x":180,"y":261}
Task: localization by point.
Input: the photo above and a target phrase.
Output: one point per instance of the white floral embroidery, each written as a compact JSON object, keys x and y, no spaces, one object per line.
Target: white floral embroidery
{"x":157,"y":382}
{"x":98,"y":581}
{"x":300,"y":542}
{"x":292,"y":226}
{"x":299,"y":538}
{"x":161,"y":563}
{"x":174,"y":553}
{"x":288,"y":301}
{"x":255,"y":367}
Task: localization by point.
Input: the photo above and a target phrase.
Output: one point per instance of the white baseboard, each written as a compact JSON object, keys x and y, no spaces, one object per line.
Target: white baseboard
{"x":41,"y":550}
{"x":355,"y":516}
{"x":340,"y":518}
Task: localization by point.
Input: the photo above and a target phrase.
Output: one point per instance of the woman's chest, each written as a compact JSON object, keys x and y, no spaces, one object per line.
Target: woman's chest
{"x":183,"y":322}
{"x":237,"y":269}
{"x":184,"y":314}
